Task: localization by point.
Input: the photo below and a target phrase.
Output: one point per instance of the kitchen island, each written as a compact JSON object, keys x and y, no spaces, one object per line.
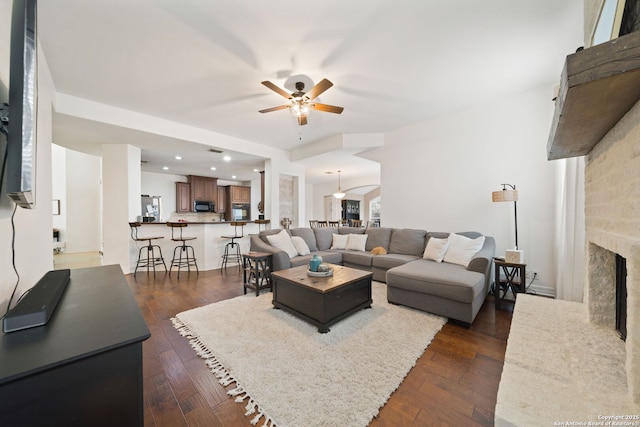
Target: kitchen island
{"x":208,"y":245}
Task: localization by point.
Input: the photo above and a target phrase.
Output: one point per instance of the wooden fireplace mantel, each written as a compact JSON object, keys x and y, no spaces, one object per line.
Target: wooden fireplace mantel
{"x":598,"y":86}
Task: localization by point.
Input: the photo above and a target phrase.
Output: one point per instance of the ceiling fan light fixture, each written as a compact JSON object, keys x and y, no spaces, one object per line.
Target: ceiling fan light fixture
{"x":300,"y":103}
{"x":299,"y":107}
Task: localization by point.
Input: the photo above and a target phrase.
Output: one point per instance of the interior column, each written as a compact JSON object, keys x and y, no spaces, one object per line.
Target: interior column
{"x":121,"y":187}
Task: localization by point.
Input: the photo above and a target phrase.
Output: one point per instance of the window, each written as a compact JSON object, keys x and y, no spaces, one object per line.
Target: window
{"x":374,"y":208}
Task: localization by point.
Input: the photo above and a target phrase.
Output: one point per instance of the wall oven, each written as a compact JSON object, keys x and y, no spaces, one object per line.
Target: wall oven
{"x":240,"y":211}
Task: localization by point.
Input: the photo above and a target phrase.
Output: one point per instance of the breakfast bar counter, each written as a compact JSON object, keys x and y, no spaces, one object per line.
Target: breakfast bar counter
{"x":208,"y":245}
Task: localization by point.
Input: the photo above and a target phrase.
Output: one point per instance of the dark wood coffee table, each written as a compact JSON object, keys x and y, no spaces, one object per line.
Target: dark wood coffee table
{"x":322,"y":301}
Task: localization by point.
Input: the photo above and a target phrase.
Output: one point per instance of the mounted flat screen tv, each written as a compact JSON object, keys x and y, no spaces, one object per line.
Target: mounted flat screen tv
{"x":23,"y":105}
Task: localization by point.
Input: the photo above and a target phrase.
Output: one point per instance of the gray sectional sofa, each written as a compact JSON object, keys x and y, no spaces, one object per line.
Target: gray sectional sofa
{"x":443,"y":288}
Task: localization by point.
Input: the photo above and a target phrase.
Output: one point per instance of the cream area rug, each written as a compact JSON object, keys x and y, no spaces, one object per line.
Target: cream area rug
{"x":289,"y":375}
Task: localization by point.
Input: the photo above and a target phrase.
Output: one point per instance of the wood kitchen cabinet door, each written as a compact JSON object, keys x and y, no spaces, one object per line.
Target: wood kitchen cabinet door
{"x":240,"y":194}
{"x":222,"y":200}
{"x":203,"y":188}
{"x":198,"y":187}
{"x":183,"y":197}
{"x":245,"y":194}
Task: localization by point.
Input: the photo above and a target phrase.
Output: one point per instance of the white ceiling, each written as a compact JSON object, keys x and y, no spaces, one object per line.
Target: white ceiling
{"x":200,"y":63}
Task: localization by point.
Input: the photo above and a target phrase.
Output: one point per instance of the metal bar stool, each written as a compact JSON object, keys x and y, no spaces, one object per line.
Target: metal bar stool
{"x":232,"y":251}
{"x":151,"y":260}
{"x":182,"y":259}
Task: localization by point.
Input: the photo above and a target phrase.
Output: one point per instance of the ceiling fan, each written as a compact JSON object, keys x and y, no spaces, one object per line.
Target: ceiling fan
{"x":300,"y":102}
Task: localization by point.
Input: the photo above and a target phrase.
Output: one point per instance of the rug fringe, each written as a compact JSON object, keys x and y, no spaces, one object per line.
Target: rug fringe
{"x":224,"y":377}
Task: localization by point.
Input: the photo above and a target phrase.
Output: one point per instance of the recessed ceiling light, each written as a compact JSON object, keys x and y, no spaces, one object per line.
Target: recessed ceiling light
{"x":166,"y":168}
{"x":178,"y":157}
{"x":233,"y":176}
{"x":212,"y":168}
{"x":256,"y":170}
{"x":227,"y":158}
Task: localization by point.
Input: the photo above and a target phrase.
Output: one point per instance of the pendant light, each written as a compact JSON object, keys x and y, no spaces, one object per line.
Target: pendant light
{"x":339,"y":194}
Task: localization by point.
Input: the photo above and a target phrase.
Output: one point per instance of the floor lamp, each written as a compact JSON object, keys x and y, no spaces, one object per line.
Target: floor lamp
{"x":506,"y":195}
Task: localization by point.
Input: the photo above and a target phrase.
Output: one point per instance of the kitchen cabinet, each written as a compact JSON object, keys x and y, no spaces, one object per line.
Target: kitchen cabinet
{"x":183,"y":197}
{"x":203,"y":188}
{"x":240,"y":194}
{"x":222,"y":200}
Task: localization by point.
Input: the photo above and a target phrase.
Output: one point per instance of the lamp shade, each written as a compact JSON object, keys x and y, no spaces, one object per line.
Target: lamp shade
{"x":505,"y":196}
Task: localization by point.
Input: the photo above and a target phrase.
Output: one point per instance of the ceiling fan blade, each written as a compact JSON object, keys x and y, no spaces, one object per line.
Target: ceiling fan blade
{"x":268,"y":110}
{"x":302,"y":120}
{"x":326,"y":108}
{"x":323,"y":85}
{"x":276,"y":89}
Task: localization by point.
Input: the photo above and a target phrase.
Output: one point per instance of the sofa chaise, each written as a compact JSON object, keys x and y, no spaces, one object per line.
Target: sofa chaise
{"x":453,"y":288}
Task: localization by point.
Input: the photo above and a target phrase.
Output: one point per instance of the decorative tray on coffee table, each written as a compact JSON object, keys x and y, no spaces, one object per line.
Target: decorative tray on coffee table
{"x":320,"y":273}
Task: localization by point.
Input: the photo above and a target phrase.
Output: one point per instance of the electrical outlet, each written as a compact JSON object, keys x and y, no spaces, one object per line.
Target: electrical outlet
{"x":531,"y":274}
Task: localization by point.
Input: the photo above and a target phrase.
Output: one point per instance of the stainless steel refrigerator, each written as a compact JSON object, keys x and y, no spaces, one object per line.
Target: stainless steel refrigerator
{"x":151,"y":207}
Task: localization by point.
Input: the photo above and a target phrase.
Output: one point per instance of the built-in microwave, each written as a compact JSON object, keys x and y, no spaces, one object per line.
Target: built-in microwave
{"x":203,"y":206}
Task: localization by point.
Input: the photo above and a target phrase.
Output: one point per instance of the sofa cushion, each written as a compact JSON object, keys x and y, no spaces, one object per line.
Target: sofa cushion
{"x":461,"y":249}
{"x":436,"y":249}
{"x":357,"y":242}
{"x":264,"y":233}
{"x":408,"y":242}
{"x":391,"y":260}
{"x":282,"y":241}
{"x":437,"y":235}
{"x":307,"y":235}
{"x":449,"y":281}
{"x":356,"y":257}
{"x":351,"y":230}
{"x":324,"y":237}
{"x":300,"y":245}
{"x":339,"y":241}
{"x":378,"y":236}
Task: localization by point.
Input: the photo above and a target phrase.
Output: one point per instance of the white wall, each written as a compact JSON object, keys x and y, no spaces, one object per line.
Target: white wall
{"x":34,"y":229}
{"x":83,"y":202}
{"x":59,"y":187}
{"x":439,"y":175}
{"x":76,"y":182}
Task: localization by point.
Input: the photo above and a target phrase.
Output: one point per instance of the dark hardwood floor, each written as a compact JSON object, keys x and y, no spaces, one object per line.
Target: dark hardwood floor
{"x":454,"y":383}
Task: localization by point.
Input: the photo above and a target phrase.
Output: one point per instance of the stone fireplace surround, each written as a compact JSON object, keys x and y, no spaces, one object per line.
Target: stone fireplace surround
{"x":564,"y":362}
{"x":612,"y":218}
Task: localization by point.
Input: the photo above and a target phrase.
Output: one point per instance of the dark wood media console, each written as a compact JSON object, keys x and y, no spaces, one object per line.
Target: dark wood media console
{"x":83,"y":368}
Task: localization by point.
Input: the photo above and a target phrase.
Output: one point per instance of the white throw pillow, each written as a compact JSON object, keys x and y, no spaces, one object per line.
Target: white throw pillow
{"x":462,"y":249}
{"x":300,"y":245}
{"x":340,"y":241}
{"x":436,"y":249}
{"x":356,"y":242}
{"x":282,"y":241}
